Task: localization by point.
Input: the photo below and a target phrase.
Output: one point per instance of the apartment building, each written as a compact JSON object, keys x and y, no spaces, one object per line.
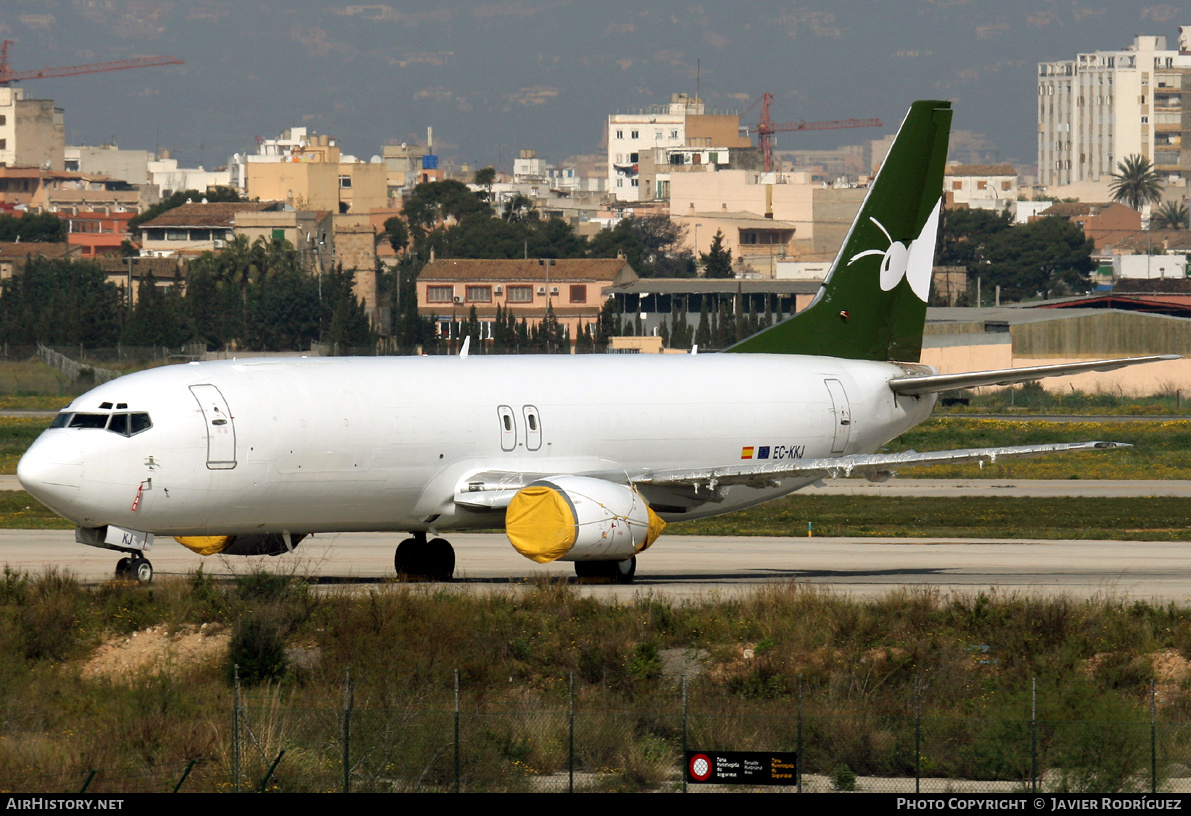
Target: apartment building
{"x":32,"y":131}
{"x":641,"y":144}
{"x":1100,"y":107}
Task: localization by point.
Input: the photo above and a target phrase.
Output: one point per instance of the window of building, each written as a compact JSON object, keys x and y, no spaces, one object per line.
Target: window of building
{"x":3,"y":144}
{"x":635,"y":182}
{"x":620,"y":182}
{"x":674,"y":134}
{"x":579,"y":293}
{"x":278,"y":235}
{"x":345,"y":182}
{"x":520,"y":294}
{"x":981,"y":185}
{"x":439,"y":294}
{"x":633,"y":157}
{"x":634,"y":135}
{"x":1006,"y":185}
{"x":620,"y":134}
{"x":479,"y":294}
{"x":657,"y":135}
{"x":957,"y":185}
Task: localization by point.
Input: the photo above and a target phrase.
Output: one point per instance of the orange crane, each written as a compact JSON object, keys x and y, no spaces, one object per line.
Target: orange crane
{"x":7,"y":75}
{"x":766,"y":127}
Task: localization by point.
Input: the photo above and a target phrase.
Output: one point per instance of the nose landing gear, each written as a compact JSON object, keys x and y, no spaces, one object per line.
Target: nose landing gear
{"x":135,"y":568}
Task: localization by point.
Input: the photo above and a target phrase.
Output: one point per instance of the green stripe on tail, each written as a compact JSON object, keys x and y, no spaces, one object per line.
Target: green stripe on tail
{"x":872,"y":305}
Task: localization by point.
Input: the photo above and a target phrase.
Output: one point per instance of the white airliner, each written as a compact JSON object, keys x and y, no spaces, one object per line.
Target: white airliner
{"x":580,"y":458}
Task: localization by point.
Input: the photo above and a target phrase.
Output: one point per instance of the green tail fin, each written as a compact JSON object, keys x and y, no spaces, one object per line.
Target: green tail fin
{"x":872,"y":305}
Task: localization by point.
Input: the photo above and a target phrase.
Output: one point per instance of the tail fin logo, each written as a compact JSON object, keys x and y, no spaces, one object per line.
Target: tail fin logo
{"x":914,"y":263}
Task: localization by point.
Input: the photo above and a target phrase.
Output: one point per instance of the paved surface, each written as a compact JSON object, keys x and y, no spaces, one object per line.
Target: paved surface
{"x":697,"y":566}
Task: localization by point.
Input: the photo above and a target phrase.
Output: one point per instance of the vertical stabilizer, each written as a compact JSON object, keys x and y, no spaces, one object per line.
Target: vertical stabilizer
{"x":872,"y":305}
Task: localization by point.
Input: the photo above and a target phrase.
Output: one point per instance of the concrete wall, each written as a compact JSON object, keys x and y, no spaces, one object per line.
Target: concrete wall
{"x":1112,"y":334}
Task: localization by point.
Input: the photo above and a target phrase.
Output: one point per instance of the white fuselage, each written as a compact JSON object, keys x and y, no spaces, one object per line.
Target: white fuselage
{"x":383,"y":443}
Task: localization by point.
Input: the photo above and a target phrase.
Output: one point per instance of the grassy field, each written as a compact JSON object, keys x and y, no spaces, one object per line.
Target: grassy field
{"x":856,"y":670}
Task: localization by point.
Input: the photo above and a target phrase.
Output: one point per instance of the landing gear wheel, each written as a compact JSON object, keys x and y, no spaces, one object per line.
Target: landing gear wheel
{"x":406,"y":558}
{"x":124,"y":568}
{"x":616,"y":572}
{"x":417,"y":559}
{"x":142,"y":570}
{"x":439,"y":560}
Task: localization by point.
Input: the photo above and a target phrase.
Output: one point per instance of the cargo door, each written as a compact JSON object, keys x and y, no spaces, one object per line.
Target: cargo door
{"x":221,"y":427}
{"x":843,"y":416}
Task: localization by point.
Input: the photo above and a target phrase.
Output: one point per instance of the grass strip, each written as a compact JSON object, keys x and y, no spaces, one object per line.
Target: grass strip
{"x":1153,"y":518}
{"x":1160,"y":518}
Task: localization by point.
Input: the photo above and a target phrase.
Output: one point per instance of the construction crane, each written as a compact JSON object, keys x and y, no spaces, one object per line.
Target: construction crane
{"x":766,"y":129}
{"x":7,"y":75}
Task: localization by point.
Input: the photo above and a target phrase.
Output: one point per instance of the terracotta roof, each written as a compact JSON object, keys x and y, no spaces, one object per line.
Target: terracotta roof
{"x":598,"y":270}
{"x":221,"y":214}
{"x":981,"y":170}
{"x":161,"y":268}
{"x":1157,"y":242}
{"x":1070,"y":208}
{"x":21,"y":249}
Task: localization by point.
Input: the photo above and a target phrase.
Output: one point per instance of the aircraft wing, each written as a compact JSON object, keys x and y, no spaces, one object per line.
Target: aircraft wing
{"x":930,"y":383}
{"x":492,"y":490}
{"x":867,"y":464}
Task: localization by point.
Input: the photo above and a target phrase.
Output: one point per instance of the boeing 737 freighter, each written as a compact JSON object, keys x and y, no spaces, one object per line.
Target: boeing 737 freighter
{"x":579,"y":458}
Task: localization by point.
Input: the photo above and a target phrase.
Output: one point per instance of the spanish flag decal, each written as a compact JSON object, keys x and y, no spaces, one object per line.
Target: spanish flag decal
{"x":746,"y":453}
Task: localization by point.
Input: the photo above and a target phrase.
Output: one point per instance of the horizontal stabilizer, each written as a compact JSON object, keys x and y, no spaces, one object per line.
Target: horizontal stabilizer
{"x":933,"y":383}
{"x":870,"y":464}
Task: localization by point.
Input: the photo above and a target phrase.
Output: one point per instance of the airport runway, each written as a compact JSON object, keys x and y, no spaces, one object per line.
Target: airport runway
{"x":696,"y":566}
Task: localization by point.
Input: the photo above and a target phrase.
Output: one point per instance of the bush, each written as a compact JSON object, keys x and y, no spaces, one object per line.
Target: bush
{"x":257,"y":650}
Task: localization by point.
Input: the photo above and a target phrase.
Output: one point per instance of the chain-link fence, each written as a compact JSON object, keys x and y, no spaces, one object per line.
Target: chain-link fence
{"x":377,"y":741}
{"x":573,"y":747}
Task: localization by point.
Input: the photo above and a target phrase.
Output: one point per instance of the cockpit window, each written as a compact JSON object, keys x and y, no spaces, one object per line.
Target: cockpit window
{"x":119,"y":424}
{"x":88,"y":421}
{"x":122,"y":424}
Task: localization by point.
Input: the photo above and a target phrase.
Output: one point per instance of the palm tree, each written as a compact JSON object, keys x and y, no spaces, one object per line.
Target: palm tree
{"x":1172,"y":215}
{"x":1136,"y":183}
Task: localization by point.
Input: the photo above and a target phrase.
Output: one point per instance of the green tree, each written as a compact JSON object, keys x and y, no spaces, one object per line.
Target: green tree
{"x":1136,"y":182}
{"x":652,"y":245}
{"x":33,"y":228}
{"x":1048,"y":256}
{"x":485,"y":177}
{"x":1172,"y":215}
{"x":717,"y":261}
{"x":397,"y":233}
{"x":60,"y":302}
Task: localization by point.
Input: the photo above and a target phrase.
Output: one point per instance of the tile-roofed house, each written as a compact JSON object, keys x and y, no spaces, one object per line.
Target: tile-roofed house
{"x":448,"y":289}
{"x":980,"y":186}
{"x":195,"y":227}
{"x":1107,"y":224}
{"x":14,"y":253}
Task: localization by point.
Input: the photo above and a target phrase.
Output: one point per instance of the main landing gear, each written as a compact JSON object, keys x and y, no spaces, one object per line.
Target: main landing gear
{"x":135,"y":568}
{"x":421,"y":560}
{"x":616,"y":572}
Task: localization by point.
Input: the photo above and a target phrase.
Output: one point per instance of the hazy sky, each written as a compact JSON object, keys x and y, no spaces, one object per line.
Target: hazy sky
{"x":493,"y":78}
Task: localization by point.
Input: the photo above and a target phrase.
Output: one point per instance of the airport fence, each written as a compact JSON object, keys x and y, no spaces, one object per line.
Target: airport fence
{"x":562,"y":742}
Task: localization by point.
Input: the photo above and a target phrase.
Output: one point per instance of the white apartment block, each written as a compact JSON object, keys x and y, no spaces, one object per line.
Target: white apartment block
{"x":1097,"y":109}
{"x":633,"y":138}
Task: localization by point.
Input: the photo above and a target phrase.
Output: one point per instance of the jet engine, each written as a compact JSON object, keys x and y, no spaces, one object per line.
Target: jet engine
{"x":579,"y":518}
{"x":254,"y":544}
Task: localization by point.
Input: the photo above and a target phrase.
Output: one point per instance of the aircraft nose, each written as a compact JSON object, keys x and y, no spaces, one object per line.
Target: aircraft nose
{"x":51,"y":473}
